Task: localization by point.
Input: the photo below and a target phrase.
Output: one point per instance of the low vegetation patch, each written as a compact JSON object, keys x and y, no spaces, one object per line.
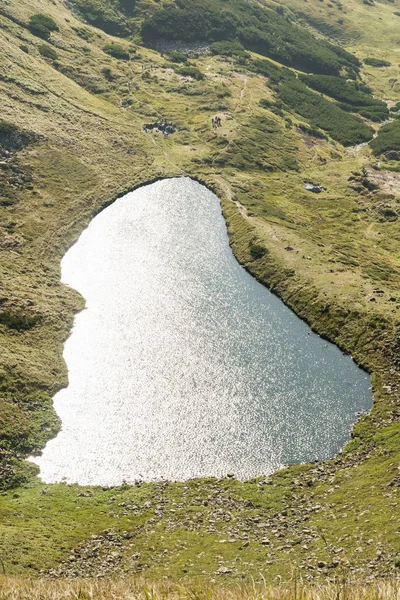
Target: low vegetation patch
{"x":116,"y":51}
{"x":18,"y":321}
{"x":313,"y":131}
{"x":274,"y":73}
{"x":12,"y":138}
{"x":257,"y":251}
{"x":256,"y":28}
{"x":354,"y":96}
{"x":341,"y":126}
{"x":42,"y":26}
{"x":48,"y":52}
{"x":229,"y":48}
{"x":261,"y":144}
{"x":104,"y":14}
{"x":190,"y":71}
{"x":178,"y":57}
{"x":388,"y":139}
{"x":376,"y":62}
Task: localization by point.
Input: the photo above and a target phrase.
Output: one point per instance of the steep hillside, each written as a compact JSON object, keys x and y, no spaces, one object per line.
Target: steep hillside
{"x":78,"y":81}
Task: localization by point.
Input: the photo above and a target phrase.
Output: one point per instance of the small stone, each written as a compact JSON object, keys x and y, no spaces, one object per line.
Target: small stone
{"x":223,"y":571}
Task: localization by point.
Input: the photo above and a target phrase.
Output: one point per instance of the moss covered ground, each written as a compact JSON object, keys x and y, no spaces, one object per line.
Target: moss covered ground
{"x":80,"y":120}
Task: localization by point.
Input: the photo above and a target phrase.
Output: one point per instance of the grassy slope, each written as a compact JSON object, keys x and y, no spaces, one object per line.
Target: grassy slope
{"x":91,"y":150}
{"x":365,"y":30}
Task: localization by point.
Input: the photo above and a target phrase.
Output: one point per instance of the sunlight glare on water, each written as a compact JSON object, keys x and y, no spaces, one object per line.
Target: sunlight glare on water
{"x":182,"y":365}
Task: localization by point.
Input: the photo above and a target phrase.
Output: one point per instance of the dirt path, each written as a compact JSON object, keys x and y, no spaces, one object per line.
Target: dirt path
{"x":228,"y":193}
{"x":243,"y":90}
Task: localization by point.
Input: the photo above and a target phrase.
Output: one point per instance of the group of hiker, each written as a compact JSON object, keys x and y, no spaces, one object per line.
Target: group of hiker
{"x":162,"y":126}
{"x":166,"y":127}
{"x":216,"y":122}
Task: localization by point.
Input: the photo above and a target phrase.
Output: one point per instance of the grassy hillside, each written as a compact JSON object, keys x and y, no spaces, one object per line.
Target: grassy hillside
{"x":74,"y":101}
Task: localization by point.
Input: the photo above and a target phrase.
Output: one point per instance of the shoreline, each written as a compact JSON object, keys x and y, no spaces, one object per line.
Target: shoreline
{"x":275,"y":286}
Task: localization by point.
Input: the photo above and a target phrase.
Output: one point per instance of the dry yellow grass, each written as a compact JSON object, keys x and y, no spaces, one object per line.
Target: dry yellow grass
{"x":133,"y":589}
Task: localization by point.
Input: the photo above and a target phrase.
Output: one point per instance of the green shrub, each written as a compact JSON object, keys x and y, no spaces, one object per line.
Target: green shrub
{"x":24,"y":48}
{"x":12,"y":138}
{"x":42,"y":26}
{"x":257,"y":251}
{"x":274,"y":73}
{"x":256,"y":28}
{"x":228,"y":48}
{"x":264,"y":103}
{"x":313,"y":131}
{"x":106,"y":71}
{"x":20,"y":322}
{"x":103,"y":14}
{"x":353,"y":96}
{"x":347,"y":129}
{"x":376,"y":62}
{"x":117,"y":51}
{"x":388,"y":139}
{"x":193,"y":72}
{"x":84,"y":33}
{"x":127,"y":6}
{"x":177,"y":57}
{"x":48,"y":52}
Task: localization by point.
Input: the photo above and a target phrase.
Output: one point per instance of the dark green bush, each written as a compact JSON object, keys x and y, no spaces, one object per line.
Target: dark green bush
{"x":257,"y":251}
{"x":24,"y":48}
{"x":178,"y":57}
{"x":228,"y":48}
{"x":190,"y":72}
{"x":42,"y":26}
{"x":84,"y":33}
{"x":353,"y":96}
{"x":388,"y":139}
{"x":12,"y":138}
{"x":274,"y":73}
{"x":257,"y":28}
{"x":264,"y":103}
{"x":313,"y":131}
{"x":20,"y":322}
{"x":48,"y":52}
{"x":117,"y":51}
{"x":127,"y":6}
{"x":104,"y":14}
{"x":341,"y":126}
{"x":376,"y":62}
{"x":106,"y":71}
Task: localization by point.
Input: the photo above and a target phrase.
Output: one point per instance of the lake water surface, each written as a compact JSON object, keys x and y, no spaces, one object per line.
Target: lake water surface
{"x":183,"y":365}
